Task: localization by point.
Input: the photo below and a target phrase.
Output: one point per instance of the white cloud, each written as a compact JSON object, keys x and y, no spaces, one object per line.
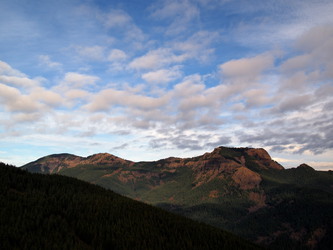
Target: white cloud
{"x":7,"y":70}
{"x":293,"y":102}
{"x":121,"y":22}
{"x":257,"y":97}
{"x":296,"y":81}
{"x":248,"y":69}
{"x":8,"y":93}
{"x":318,"y":44}
{"x":45,"y":60}
{"x":156,"y":59}
{"x":19,"y":81}
{"x":95,"y":53}
{"x":14,"y":101}
{"x":118,"y":59}
{"x":179,"y":13}
{"x":117,"y":55}
{"x":296,"y":63}
{"x":312,"y":64}
{"x":163,"y":76}
{"x":287,"y":23}
{"x":198,"y":45}
{"x":77,"y":80}
{"x":24,"y":104}
{"x":189,"y":86}
{"x":117,"y":18}
{"x":105,"y":99}
{"x":46,"y":96}
{"x":26,"y":117}
{"x":76,"y":94}
{"x":315,"y":37}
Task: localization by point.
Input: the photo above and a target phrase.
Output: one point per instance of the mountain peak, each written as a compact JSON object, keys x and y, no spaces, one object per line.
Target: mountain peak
{"x":259,"y":155}
{"x":305,"y":167}
{"x":104,"y":158}
{"x":56,"y":162}
{"x":53,"y":163}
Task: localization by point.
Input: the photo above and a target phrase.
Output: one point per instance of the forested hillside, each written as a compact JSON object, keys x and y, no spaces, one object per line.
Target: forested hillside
{"x":57,"y":212}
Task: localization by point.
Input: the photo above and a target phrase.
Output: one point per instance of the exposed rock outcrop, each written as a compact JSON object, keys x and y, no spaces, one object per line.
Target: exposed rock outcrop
{"x":246,"y":179}
{"x":263,"y":159}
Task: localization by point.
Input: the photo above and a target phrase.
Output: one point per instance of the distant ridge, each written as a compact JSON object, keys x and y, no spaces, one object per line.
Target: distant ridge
{"x":55,"y":162}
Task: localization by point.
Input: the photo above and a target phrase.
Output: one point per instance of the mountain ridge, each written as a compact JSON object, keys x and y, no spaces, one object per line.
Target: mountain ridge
{"x":106,"y":158}
{"x":238,"y":189}
{"x":55,"y":162}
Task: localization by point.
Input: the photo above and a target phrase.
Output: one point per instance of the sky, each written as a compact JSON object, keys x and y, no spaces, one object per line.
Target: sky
{"x":146,"y":80}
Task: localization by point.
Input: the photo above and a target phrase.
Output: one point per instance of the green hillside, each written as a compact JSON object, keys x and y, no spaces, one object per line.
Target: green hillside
{"x":57,"y":212}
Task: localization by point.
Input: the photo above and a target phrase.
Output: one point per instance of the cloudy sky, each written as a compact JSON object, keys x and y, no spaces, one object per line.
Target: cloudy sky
{"x":145,"y":80}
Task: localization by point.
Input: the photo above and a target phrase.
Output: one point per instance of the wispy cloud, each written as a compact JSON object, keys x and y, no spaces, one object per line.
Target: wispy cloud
{"x":95,"y":53}
{"x":156,"y":59}
{"x":45,"y":60}
{"x":178,"y":14}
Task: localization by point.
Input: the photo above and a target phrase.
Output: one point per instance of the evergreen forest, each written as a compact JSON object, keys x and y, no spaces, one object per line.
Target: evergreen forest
{"x":57,"y":212}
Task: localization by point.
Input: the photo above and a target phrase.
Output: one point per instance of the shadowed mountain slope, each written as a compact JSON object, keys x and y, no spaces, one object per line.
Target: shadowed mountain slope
{"x":57,"y":212}
{"x":239,"y":189}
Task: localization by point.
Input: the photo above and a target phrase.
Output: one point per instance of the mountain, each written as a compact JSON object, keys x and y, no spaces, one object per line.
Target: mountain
{"x":55,"y":163}
{"x":238,"y":189}
{"x":57,"y":212}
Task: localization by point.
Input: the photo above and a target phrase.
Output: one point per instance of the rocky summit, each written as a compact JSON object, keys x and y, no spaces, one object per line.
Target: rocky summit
{"x":239,"y":189}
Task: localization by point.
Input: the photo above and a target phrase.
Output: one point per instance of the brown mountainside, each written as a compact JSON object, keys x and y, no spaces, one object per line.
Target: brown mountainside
{"x":221,"y":160}
{"x":55,"y":163}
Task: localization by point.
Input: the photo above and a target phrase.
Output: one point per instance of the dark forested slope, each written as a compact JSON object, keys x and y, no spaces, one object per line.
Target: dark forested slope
{"x":57,"y":212}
